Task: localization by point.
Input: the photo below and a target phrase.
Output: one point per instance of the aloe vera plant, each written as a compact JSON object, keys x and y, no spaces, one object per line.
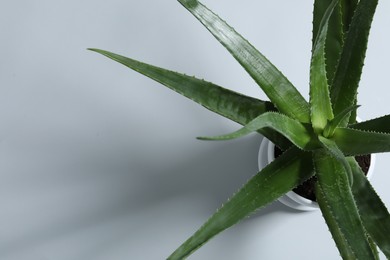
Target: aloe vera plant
{"x":319,"y":137}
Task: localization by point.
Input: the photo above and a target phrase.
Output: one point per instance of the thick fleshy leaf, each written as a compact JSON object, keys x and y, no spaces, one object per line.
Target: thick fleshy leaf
{"x":344,"y":248}
{"x":379,"y":125}
{"x":299,"y":134}
{"x":353,"y":116}
{"x":373,"y":212}
{"x":336,"y":121}
{"x":374,"y":248}
{"x":237,"y":107}
{"x":337,"y":196}
{"x":321,"y":108}
{"x":334,"y":35}
{"x":332,"y":148}
{"x":348,"y":8}
{"x":275,"y":85}
{"x":276,"y":179}
{"x":358,"y":142}
{"x":348,"y":73}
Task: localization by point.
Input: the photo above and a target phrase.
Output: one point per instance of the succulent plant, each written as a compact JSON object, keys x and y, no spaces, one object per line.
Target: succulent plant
{"x":319,"y":137}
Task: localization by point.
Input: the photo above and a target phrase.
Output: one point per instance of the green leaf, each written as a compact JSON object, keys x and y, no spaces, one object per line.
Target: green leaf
{"x":374,"y":248}
{"x":358,"y":142}
{"x":237,"y":107}
{"x":332,"y":148}
{"x":276,"y":179}
{"x":344,"y":248}
{"x":353,"y":115}
{"x":299,"y":134}
{"x":380,"y":125}
{"x":337,"y":197}
{"x":347,"y":76}
{"x":334,"y":35}
{"x":374,"y":214}
{"x":348,"y":8}
{"x":336,"y":121}
{"x":321,"y":108}
{"x":275,"y":85}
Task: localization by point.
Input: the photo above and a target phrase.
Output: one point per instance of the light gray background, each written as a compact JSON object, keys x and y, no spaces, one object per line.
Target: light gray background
{"x":98,"y":162}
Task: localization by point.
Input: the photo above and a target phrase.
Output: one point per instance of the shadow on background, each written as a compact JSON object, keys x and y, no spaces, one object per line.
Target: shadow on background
{"x":132,"y":187}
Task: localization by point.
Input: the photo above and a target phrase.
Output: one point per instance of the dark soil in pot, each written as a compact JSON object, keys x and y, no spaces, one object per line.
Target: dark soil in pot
{"x":306,"y":189}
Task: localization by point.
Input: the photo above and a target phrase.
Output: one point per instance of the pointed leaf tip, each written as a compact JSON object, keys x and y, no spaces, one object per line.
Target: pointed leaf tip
{"x":292,"y":129}
{"x":337,"y":120}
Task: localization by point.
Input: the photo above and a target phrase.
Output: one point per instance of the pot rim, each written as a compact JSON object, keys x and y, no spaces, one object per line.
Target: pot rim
{"x":292,"y":199}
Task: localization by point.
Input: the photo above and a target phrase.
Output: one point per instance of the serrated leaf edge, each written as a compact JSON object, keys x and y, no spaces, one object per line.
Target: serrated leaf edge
{"x":326,"y":202}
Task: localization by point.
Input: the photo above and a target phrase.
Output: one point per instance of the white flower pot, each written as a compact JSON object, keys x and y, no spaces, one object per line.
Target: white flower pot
{"x":292,"y":199}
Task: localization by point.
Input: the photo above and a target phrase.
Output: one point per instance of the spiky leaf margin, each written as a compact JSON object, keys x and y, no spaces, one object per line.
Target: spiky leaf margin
{"x":275,"y":85}
{"x":286,"y":172}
